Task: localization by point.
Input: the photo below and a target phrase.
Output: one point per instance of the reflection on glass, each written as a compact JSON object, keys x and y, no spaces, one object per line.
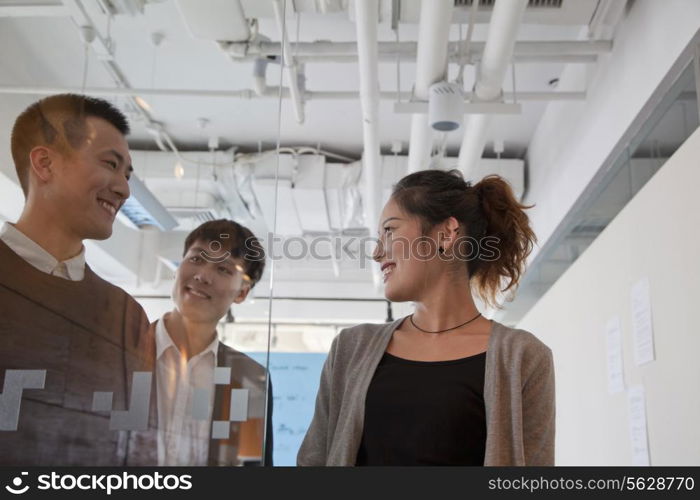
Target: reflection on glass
{"x":84,"y":378}
{"x":56,"y":315}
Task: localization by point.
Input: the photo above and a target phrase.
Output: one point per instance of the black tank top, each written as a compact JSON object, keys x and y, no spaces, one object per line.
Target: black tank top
{"x":425,"y":413}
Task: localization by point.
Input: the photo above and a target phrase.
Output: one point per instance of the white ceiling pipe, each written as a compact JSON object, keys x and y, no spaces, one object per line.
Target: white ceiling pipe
{"x":387,"y":51}
{"x":366,"y":21}
{"x":468,"y":97}
{"x":45,"y":8}
{"x":420,"y":143}
{"x":121,"y":91}
{"x":503,"y":30}
{"x":269,"y":92}
{"x":475,"y":127}
{"x":289,"y":63}
{"x":452,"y":59}
{"x":259,"y":73}
{"x":431,"y":67}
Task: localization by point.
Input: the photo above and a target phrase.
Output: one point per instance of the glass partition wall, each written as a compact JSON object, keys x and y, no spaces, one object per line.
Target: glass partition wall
{"x":197,"y":332}
{"x":136,"y":358}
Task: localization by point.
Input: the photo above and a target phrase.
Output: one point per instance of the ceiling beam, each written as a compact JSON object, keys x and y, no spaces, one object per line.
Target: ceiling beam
{"x":48,"y":8}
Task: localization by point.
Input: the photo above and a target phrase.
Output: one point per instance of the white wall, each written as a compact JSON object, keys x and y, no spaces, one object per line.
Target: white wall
{"x":11,"y":198}
{"x":655,"y":235}
{"x":573,"y":138}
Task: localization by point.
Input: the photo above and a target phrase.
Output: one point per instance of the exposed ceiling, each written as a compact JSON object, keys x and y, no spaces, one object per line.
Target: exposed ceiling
{"x":184,"y":62}
{"x":153,"y":48}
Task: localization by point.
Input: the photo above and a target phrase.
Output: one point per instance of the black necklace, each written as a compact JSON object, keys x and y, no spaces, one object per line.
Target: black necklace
{"x":441,"y":331}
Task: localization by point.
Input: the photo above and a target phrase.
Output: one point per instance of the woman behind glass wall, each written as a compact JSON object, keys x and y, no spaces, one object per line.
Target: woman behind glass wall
{"x":443,"y":386}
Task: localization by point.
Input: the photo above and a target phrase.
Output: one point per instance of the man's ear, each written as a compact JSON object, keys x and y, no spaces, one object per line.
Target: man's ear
{"x":242,"y":294}
{"x":42,"y":162}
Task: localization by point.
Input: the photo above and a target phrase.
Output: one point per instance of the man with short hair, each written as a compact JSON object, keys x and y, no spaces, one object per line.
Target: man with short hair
{"x":56,"y":315}
{"x":222,"y":261}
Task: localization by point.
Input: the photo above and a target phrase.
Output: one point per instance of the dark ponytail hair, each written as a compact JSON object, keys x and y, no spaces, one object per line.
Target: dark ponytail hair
{"x":487,"y":209}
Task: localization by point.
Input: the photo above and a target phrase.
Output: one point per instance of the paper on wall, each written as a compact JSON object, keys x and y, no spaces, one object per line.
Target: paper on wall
{"x":613,"y":333}
{"x":638,"y":425}
{"x":642,"y":329}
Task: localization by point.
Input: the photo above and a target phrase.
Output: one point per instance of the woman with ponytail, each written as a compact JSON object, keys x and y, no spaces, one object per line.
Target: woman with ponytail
{"x":443,"y":386}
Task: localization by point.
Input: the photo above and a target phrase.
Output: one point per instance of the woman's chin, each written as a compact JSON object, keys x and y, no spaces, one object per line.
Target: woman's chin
{"x":394,"y":295}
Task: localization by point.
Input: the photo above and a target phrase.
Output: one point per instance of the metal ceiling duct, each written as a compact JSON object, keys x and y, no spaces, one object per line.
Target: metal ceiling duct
{"x":503,"y":30}
{"x":431,"y":67}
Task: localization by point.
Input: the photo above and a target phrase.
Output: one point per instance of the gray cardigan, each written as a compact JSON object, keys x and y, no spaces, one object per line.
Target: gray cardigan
{"x":518,"y":396}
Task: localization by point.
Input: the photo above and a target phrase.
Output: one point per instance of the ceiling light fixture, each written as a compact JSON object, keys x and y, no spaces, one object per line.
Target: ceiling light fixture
{"x":142,"y":103}
{"x":179,"y":171}
{"x":143,"y":209}
{"x":445,"y":106}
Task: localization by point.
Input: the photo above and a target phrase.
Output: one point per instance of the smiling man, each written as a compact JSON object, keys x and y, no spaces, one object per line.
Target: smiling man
{"x":222,"y":261}
{"x":73,"y":164}
{"x":78,"y":332}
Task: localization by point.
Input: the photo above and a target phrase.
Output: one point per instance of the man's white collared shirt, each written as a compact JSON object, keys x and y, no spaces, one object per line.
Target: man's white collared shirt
{"x":182,"y":439}
{"x":72,"y":269}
